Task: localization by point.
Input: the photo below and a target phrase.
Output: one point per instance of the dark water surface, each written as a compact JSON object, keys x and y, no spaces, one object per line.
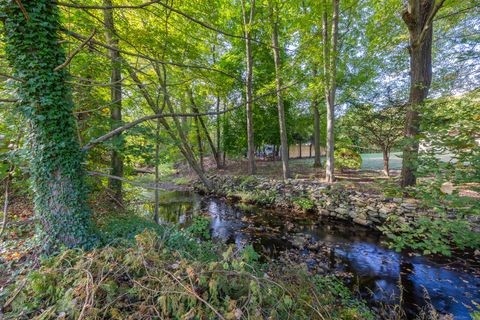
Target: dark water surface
{"x":376,"y":271}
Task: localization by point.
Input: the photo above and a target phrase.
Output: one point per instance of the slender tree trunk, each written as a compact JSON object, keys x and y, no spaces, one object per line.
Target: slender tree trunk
{"x":248,"y":22}
{"x":330,"y":53}
{"x":56,"y":163}
{"x":215,"y":152}
{"x":317,"y":163}
{"x":157,"y":171}
{"x":116,"y":102}
{"x":199,"y":143}
{"x":300,"y":150}
{"x":386,"y":169}
{"x":218,"y":153}
{"x":418,"y":16}
{"x":281,"y":107}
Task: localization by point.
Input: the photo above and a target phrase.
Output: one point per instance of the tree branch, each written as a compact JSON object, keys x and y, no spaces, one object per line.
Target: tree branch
{"x":79,"y":6}
{"x":75,"y":52}
{"x":173,"y":115}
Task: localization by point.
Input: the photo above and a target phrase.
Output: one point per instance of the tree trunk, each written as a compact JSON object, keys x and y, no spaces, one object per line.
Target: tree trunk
{"x":199,"y":142}
{"x":157,"y":172}
{"x":116,"y":102}
{"x":300,"y":150}
{"x":418,"y":16}
{"x":248,"y":21}
{"x":386,"y":170}
{"x":317,"y":163}
{"x":215,"y":151}
{"x":330,"y":53}
{"x":281,"y":108}
{"x":218,"y":153}
{"x":56,"y":164}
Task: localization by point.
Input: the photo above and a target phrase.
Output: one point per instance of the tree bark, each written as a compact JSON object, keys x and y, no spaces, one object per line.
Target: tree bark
{"x":157,"y":171}
{"x":330,"y":53}
{"x":116,"y":102}
{"x":56,"y":163}
{"x":280,"y":105}
{"x":248,"y":22}
{"x":418,"y":16}
{"x":199,"y":143}
{"x":215,"y":151}
{"x":317,"y":163}
{"x":386,"y":169}
{"x":218,"y":153}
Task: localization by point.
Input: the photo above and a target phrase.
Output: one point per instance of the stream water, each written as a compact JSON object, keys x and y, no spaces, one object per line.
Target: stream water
{"x":373,"y":270}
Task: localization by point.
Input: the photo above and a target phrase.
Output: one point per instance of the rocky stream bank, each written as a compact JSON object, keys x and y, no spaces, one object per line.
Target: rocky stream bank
{"x":363,"y":208}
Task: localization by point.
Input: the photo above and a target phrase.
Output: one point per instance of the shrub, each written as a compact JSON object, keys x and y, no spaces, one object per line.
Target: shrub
{"x":347,"y":159}
{"x":151,"y":280}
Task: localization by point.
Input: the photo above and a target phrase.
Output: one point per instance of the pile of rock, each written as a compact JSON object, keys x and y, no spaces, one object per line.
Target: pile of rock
{"x":363,"y":208}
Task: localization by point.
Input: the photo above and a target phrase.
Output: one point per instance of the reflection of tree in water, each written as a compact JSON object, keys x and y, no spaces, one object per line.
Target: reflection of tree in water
{"x":410,"y":302}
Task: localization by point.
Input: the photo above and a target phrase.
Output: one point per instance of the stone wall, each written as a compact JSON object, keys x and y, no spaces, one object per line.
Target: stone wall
{"x":366,"y":209}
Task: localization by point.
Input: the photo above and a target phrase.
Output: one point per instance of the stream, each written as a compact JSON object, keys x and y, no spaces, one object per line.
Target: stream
{"x":329,"y":246}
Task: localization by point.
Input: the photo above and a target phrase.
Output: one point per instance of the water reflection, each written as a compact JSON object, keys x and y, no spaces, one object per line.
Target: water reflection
{"x":377,"y":271}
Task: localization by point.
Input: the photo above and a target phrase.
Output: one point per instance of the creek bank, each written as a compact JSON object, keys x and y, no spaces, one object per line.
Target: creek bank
{"x":325,"y":200}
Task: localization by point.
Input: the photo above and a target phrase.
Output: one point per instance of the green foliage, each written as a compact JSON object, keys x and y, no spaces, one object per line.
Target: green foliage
{"x":304,"y":203}
{"x":347,"y":159}
{"x":431,"y":235}
{"x":148,"y":279}
{"x":200,"y":228}
{"x":451,"y":157}
{"x":32,"y":49}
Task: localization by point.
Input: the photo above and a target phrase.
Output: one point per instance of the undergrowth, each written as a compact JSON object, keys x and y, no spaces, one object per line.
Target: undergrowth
{"x":147,"y":271}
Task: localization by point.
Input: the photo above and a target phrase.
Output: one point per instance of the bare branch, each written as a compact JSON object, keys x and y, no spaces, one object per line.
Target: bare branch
{"x":22,"y":8}
{"x":75,"y":52}
{"x":154,"y":186}
{"x":173,"y":115}
{"x":79,"y":6}
{"x":9,"y":100}
{"x":10,"y":77}
{"x":138,"y":55}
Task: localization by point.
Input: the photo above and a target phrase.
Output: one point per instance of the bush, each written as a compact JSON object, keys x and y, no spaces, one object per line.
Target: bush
{"x":347,"y":159}
{"x":149,"y":280}
{"x":304,"y":203}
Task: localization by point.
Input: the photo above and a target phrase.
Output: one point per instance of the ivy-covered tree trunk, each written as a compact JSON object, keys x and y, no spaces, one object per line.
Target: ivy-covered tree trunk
{"x":33,"y":51}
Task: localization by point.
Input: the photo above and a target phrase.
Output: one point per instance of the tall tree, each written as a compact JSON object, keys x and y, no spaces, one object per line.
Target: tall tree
{"x":278,"y":83}
{"x":116,"y":101}
{"x":418,"y":16}
{"x":248,"y":17}
{"x":38,"y":62}
{"x":317,"y":163}
{"x":330,"y":72}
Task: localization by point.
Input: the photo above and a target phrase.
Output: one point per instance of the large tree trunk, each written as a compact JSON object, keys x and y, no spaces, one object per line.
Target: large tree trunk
{"x":330,"y":54}
{"x":248,"y":21}
{"x":56,"y":160}
{"x":418,"y":16}
{"x":281,"y":108}
{"x":116,"y":102}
